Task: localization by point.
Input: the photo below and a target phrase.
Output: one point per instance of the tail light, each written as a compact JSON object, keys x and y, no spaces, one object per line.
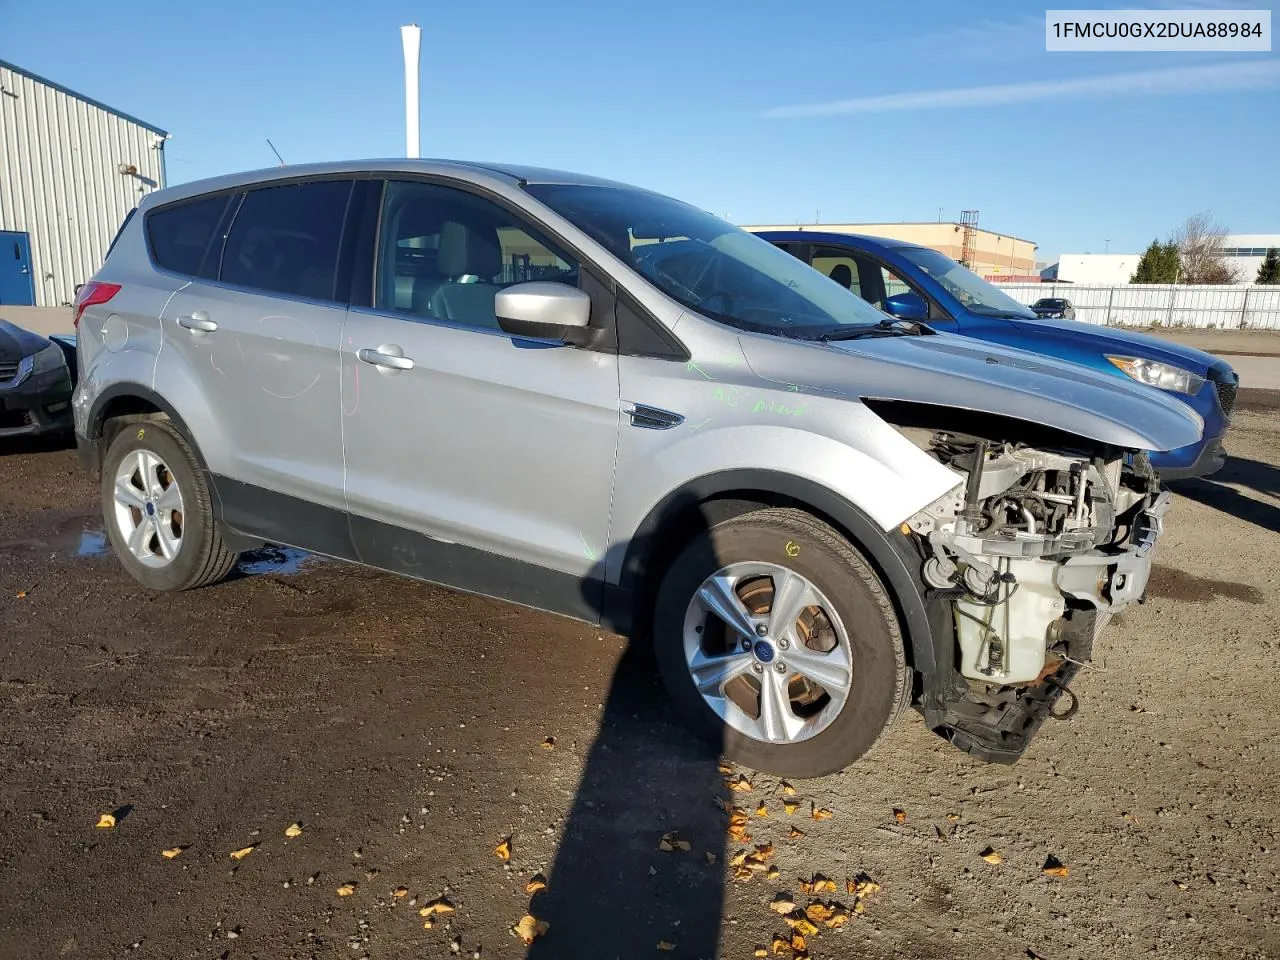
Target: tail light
{"x":90,"y":294}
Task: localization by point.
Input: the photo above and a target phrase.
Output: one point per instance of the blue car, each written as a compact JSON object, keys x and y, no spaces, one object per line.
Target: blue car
{"x":916,"y":283}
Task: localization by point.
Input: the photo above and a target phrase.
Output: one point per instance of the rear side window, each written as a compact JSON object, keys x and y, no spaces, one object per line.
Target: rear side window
{"x":119,"y":233}
{"x":180,"y":235}
{"x":285,"y":239}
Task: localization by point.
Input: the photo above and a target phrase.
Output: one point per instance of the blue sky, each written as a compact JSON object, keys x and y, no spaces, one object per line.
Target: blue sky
{"x":763,"y":112}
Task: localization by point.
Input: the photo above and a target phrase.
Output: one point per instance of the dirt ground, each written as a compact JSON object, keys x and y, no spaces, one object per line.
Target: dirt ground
{"x":403,"y":728}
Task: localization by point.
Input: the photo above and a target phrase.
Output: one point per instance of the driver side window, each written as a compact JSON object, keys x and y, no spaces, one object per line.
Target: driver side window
{"x":444,"y":254}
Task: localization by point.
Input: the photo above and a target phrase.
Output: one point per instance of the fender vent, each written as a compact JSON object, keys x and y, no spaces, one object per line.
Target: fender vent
{"x":653,"y":418}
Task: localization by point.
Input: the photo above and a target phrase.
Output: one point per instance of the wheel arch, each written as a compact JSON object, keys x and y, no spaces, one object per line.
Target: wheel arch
{"x":713,"y":498}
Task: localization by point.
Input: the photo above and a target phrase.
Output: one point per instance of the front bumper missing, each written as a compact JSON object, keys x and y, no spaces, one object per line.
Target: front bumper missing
{"x":1111,"y":581}
{"x":996,"y":724}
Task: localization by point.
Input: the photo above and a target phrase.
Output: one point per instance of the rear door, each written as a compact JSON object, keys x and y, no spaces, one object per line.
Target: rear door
{"x":259,"y":330}
{"x":475,"y":458}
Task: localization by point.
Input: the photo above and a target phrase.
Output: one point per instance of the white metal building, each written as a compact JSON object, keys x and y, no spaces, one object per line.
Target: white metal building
{"x":1244,"y":253}
{"x":71,"y":169}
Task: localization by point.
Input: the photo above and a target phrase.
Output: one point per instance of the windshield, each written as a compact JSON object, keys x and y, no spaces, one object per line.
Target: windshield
{"x":707,"y":264}
{"x":967,"y":287}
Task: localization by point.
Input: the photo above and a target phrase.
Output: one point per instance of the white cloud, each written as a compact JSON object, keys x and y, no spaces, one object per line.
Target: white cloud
{"x":1249,"y":75}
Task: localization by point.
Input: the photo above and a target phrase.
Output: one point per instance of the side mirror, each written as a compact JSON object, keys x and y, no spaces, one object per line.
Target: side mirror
{"x":906,"y":306}
{"x":541,"y":310}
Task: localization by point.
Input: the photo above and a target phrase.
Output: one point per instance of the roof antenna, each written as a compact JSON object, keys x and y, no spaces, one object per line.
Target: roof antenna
{"x":276,"y":152}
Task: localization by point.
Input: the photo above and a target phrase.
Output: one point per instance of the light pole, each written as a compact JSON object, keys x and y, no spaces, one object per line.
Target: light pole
{"x":411,"y":40}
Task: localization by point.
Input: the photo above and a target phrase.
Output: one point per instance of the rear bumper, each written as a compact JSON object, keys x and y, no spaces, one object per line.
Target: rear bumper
{"x":38,"y":405}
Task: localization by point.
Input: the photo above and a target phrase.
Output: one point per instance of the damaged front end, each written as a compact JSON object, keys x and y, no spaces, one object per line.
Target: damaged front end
{"x":1024,"y":564}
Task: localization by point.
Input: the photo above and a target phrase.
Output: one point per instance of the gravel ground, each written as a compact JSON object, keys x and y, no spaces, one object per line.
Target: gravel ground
{"x":405,"y":729}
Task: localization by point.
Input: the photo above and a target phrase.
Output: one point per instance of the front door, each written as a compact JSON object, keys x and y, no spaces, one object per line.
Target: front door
{"x":474,"y":458}
{"x":259,"y":336}
{"x":16,"y":284}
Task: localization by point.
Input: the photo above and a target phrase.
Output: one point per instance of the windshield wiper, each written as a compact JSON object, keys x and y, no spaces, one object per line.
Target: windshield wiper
{"x":888,"y":327}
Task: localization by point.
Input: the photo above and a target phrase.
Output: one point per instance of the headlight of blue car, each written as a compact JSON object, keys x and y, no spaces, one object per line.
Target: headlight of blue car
{"x":50,"y":358}
{"x":1162,"y":375}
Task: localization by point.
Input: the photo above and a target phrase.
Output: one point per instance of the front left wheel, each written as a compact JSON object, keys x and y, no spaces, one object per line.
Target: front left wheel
{"x":779,"y":643}
{"x":157,"y":509}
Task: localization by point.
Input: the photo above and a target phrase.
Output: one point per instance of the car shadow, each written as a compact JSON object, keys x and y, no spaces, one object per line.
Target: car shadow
{"x":615,"y":888}
{"x":1214,"y":491}
{"x":46,"y":443}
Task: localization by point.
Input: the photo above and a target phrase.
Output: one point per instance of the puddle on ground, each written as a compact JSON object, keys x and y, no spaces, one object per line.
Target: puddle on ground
{"x":93,"y":543}
{"x":282,"y":561}
{"x":1175,"y":584}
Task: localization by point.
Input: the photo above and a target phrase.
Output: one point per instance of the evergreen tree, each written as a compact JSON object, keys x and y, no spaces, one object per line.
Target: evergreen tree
{"x":1159,"y":264}
{"x":1269,"y":272}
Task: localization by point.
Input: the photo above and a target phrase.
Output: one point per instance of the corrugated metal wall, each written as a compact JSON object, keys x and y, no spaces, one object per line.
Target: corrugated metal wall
{"x":1226,"y":306}
{"x":59,"y":180}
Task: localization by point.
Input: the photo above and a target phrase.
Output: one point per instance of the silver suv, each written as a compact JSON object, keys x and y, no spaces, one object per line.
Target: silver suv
{"x":592,"y":399}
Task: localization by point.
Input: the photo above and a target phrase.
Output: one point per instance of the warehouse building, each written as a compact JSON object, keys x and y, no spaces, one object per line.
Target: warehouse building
{"x":71,"y":169}
{"x":1243,"y":254}
{"x":997,"y":257}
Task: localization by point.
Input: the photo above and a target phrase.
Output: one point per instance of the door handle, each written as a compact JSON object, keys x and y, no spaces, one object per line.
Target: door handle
{"x":383,"y":358}
{"x":198,"y":322}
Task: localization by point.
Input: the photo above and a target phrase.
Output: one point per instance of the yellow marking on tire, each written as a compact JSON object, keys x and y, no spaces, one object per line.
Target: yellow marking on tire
{"x":142,"y":432}
{"x":792,"y":548}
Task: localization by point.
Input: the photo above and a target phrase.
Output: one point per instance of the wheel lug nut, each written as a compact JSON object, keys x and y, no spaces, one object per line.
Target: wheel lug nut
{"x":762,"y":630}
{"x":758,"y":668}
{"x":780,"y":667}
{"x":746,"y":644}
{"x":784,"y":644}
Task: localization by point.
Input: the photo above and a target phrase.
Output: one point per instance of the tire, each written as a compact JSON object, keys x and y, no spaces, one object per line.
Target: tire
{"x":197,"y":554}
{"x":878,"y":679}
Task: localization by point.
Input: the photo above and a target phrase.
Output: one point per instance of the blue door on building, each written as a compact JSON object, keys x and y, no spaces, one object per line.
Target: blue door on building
{"x":16,"y":283}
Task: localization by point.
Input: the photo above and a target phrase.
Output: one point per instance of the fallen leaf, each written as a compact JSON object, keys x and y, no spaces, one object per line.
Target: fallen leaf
{"x":742,"y":873}
{"x":798,"y":943}
{"x":1053,"y":867}
{"x":791,"y":806}
{"x":548,"y":743}
{"x":795,"y":834}
{"x":819,"y":884}
{"x":293,"y":830}
{"x":760,"y":952}
{"x":839,"y":918}
{"x":172,"y":852}
{"x":536,"y":882}
{"x":764,"y":850}
{"x":738,"y":859}
{"x":780,"y":945}
{"x":503,"y":850}
{"x":106,"y":821}
{"x":788,"y":789}
{"x":725,"y":768}
{"x":428,"y":924}
{"x":860,"y":906}
{"x":740,"y":784}
{"x":671,"y":841}
{"x":819,"y":912}
{"x":899,"y":815}
{"x":530,"y":928}
{"x":711,"y":857}
{"x":666,"y":947}
{"x":762,"y":810}
{"x":400,"y":892}
{"x":821,"y":813}
{"x":22,"y":594}
{"x":346,"y":890}
{"x":953,"y":817}
{"x":774,"y":873}
{"x":437,"y":906}
{"x":782,"y":904}
{"x":801,"y":924}
{"x":862,"y":886}
{"x":991,"y":856}
{"x":242,"y":852}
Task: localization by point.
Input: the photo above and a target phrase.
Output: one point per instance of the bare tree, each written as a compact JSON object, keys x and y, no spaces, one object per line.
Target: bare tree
{"x":1200,"y":256}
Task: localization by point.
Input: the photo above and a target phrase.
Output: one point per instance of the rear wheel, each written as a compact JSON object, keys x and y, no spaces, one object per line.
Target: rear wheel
{"x":778,"y":642}
{"x":156,"y":505}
